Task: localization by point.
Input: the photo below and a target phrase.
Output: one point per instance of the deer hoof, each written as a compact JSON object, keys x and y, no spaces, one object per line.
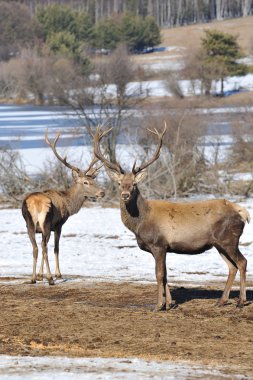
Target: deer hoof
{"x":240,"y":304}
{"x":221,"y":303}
{"x":160,"y":308}
{"x":171,"y":306}
{"x":58,"y":276}
{"x":51,"y":281}
{"x":33,"y":281}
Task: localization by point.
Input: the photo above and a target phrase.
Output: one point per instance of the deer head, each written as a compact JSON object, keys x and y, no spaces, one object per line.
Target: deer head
{"x":85,"y":179}
{"x":127,"y":181}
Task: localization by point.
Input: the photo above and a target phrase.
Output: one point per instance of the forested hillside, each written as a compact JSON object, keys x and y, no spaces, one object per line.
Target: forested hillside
{"x":166,"y":12}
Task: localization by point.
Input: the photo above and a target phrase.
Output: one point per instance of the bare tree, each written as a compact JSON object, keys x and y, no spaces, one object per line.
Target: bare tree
{"x":106,"y":94}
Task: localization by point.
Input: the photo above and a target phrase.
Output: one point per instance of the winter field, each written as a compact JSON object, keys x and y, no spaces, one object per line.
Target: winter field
{"x":96,"y":247}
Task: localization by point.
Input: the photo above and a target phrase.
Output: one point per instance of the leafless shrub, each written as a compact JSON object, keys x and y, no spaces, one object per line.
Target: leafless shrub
{"x":13,"y":177}
{"x":242,"y":152}
{"x":26,"y":77}
{"x":64,"y":79}
{"x":41,"y":78}
{"x":9,"y":86}
{"x":240,"y":159}
{"x":183,"y":168}
{"x":200,"y":79}
{"x":172,"y":84}
{"x":53,"y":175}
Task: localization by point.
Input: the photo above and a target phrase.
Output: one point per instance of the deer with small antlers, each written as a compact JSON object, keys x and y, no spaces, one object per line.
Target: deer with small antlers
{"x":185,"y":228}
{"x":48,"y":210}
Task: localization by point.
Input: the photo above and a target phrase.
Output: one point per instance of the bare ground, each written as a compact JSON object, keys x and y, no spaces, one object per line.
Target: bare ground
{"x":84,"y":319}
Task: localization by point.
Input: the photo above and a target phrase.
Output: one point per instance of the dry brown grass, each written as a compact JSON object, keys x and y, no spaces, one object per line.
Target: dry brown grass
{"x":115,"y":320}
{"x":190,"y":36}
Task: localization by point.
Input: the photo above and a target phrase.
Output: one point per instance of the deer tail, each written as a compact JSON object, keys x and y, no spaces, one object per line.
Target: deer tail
{"x":243,"y":212}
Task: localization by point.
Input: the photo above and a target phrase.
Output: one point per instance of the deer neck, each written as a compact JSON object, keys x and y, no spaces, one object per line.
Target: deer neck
{"x":74,"y":198}
{"x":133,"y":212}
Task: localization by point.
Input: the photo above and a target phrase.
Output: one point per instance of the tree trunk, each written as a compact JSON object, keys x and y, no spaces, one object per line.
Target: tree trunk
{"x":222,"y":86}
{"x":167,"y":13}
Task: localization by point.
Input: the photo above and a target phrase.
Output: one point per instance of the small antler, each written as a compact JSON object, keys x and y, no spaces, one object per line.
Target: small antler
{"x":156,"y":155}
{"x":97,"y":137}
{"x":53,"y":147}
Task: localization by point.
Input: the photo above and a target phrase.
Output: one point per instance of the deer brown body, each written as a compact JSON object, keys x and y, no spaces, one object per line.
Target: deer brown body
{"x":184,"y":228}
{"x":47,"y":211}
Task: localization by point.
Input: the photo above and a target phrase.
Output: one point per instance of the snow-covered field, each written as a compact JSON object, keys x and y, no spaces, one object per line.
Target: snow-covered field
{"x":33,"y":368}
{"x":160,"y":88}
{"x":96,"y":246}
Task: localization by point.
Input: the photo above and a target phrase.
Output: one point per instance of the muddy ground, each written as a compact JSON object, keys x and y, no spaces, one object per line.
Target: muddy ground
{"x":80,"y":319}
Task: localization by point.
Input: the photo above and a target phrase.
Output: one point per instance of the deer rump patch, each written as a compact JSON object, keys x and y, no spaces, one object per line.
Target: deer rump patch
{"x":38,"y":206}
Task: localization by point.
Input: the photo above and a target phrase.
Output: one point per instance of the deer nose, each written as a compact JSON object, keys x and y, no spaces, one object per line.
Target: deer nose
{"x":125,"y":195}
{"x":100,"y":194}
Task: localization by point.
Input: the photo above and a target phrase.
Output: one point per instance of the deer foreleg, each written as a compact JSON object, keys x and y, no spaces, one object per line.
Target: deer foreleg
{"x":164,"y":297}
{"x":57,"y":235}
{"x":45,"y":239}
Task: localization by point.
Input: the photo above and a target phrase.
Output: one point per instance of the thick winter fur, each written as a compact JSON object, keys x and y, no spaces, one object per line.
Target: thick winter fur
{"x":189,"y":228}
{"x":38,"y":206}
{"x":185,"y":228}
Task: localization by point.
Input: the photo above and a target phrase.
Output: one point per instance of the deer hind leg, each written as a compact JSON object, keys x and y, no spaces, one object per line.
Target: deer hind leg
{"x":242,"y":266}
{"x":231,"y":277}
{"x":57,"y":235}
{"x":164,"y":299}
{"x":235,"y":261}
{"x":31,"y":234}
{"x":45,"y":239}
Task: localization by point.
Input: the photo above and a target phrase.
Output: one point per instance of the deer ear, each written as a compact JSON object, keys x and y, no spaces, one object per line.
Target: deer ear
{"x":75,"y":175}
{"x":113,"y":175}
{"x":140,"y":176}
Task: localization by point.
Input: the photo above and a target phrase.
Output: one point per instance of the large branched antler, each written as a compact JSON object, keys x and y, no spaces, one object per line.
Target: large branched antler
{"x":53,"y":147}
{"x":156,"y":155}
{"x":97,"y":137}
{"x":91,"y":172}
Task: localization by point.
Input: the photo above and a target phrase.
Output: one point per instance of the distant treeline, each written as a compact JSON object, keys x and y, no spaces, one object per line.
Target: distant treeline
{"x":167,"y":13}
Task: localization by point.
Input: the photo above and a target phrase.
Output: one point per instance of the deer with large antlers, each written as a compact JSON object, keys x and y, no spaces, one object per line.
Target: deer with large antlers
{"x":184,"y":228}
{"x":48,"y":210}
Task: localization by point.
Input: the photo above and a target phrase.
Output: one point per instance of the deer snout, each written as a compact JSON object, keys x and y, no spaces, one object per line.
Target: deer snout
{"x":100,"y":194}
{"x":125,"y":195}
